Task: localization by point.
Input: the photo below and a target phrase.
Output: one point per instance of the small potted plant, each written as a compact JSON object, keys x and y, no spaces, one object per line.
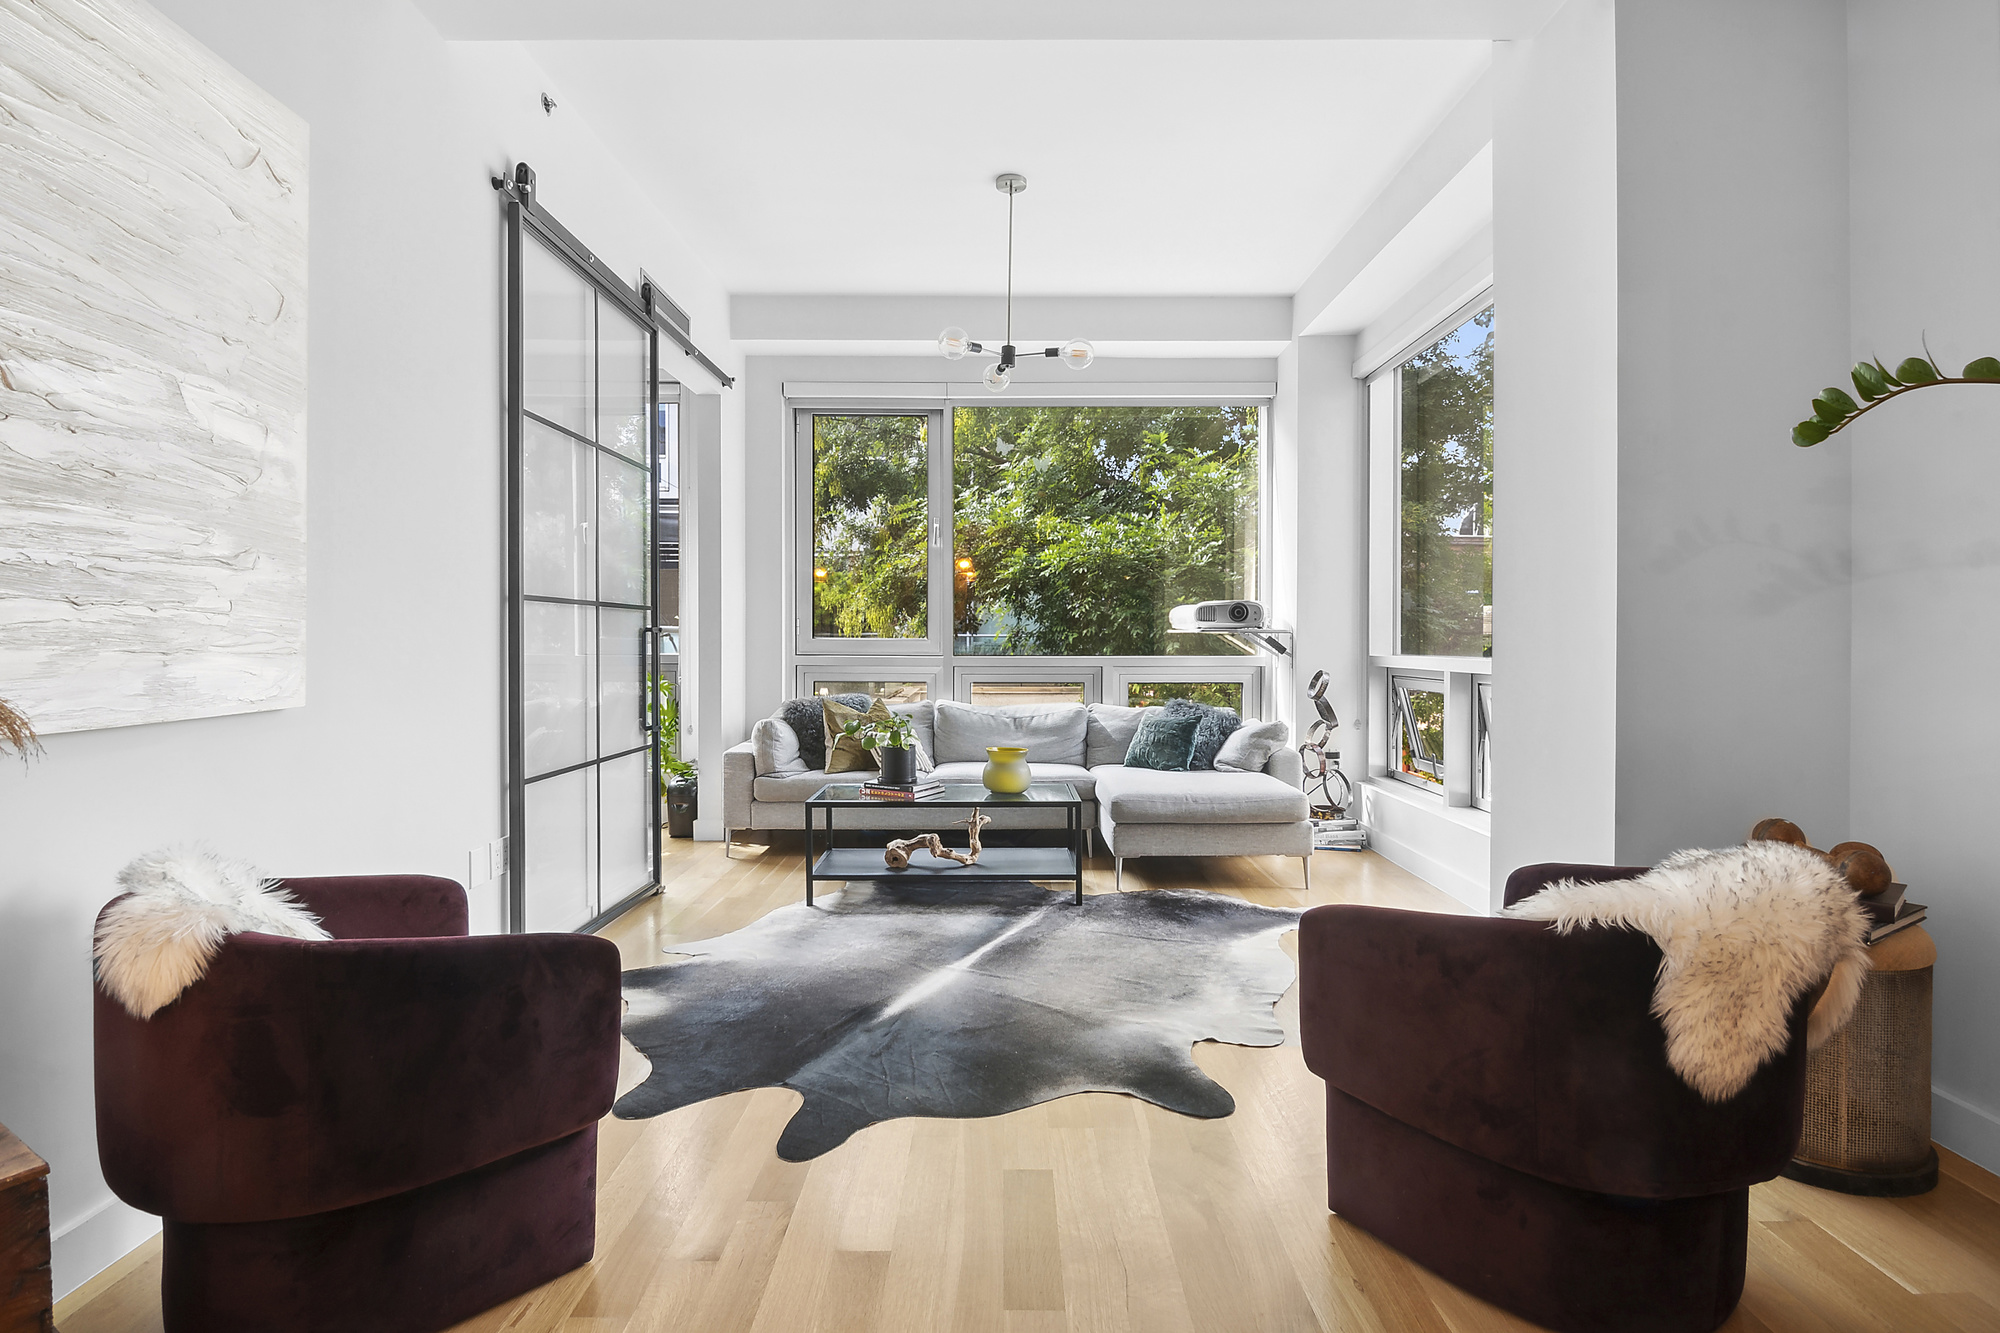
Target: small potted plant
{"x":679,"y":791}
{"x":893,"y":741}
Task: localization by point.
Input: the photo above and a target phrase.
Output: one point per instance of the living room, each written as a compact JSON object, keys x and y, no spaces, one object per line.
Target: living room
{"x":1620,"y":246}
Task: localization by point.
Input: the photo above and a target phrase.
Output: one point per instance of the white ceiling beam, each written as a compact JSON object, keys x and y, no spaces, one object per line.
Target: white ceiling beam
{"x":1103,"y":320}
{"x":885,"y":20}
{"x":1458,"y":139}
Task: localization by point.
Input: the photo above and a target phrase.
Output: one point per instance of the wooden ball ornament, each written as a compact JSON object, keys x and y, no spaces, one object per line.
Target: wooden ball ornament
{"x":1779,"y":830}
{"x":1864,"y":868}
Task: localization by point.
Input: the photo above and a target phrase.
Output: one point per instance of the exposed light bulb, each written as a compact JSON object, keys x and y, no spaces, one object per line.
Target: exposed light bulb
{"x":996,"y":378}
{"x":953,"y":343}
{"x":1076,"y":354}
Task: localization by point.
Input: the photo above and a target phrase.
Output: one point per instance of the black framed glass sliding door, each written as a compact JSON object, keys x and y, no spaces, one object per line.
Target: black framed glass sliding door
{"x":582,"y":418}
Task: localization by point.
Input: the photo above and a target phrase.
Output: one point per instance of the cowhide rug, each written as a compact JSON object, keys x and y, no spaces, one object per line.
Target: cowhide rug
{"x":898,"y":999}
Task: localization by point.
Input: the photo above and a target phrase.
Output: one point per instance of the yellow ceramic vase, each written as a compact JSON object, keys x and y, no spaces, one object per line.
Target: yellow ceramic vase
{"x":1006,"y":769}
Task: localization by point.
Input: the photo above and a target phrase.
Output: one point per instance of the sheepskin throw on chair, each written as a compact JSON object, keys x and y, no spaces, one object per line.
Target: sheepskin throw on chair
{"x":1744,"y":932}
{"x":157,"y":941}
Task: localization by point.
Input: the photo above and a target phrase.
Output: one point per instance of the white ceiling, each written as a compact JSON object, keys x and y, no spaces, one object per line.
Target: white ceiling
{"x":1155,"y":167}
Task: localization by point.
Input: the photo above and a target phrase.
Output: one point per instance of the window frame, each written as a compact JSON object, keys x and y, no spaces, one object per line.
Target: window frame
{"x":1482,"y":743}
{"x":938,"y":553}
{"x":832,"y":659}
{"x":1466,"y":764}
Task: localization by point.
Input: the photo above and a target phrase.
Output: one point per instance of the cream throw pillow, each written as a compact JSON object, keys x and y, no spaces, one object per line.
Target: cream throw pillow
{"x":846,"y":754}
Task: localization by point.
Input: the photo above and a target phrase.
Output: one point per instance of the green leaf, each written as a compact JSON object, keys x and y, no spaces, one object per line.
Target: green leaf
{"x":1828,"y":412}
{"x":1888,"y":378}
{"x":1916,"y":370}
{"x":1808,"y":433}
{"x":1838,"y":399}
{"x":1868,"y":381}
{"x":1985,"y":368}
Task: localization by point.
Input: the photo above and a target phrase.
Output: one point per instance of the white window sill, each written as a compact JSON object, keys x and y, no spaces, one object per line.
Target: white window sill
{"x":1469,"y":666}
{"x":1465,"y":816}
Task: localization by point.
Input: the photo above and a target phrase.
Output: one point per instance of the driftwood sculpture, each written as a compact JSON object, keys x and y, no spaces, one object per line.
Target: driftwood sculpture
{"x":897,"y":854}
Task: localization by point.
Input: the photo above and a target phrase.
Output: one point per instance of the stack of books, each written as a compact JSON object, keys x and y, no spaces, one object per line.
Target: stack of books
{"x":1339,"y":835}
{"x":1891,"y":910}
{"x":902,"y":791}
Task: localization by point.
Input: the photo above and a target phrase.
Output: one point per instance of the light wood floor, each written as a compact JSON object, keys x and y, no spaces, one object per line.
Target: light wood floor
{"x":1101,"y":1212}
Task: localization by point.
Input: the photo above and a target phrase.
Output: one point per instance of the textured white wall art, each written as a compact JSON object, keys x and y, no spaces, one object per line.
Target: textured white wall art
{"x":152,"y":374}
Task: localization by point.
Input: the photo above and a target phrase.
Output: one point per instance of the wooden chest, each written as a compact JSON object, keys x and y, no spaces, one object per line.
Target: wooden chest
{"x":25,"y":1296}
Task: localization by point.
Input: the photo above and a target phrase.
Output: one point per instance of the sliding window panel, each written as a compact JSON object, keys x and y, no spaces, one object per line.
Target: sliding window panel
{"x":625,"y":828}
{"x":621,"y":669}
{"x":559,"y":485}
{"x":561,"y":829}
{"x":558,"y":686}
{"x":621,"y":383}
{"x":624,"y":508}
{"x":558,"y":356}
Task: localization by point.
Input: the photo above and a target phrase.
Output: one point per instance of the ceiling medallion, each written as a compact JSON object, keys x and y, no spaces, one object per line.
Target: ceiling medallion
{"x":1076,"y":354}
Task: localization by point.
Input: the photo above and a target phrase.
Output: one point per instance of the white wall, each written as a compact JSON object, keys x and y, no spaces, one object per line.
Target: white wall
{"x":1555,"y":435}
{"x":395,"y":763}
{"x":1732,"y":303}
{"x":1924,"y":135}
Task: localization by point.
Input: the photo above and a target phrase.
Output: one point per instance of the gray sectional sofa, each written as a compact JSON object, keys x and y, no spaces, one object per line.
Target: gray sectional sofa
{"x":1139,"y":811}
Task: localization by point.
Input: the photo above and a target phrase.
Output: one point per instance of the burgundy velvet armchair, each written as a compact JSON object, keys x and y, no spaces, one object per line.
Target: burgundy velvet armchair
{"x":390,"y":1130}
{"x":1500,"y":1109}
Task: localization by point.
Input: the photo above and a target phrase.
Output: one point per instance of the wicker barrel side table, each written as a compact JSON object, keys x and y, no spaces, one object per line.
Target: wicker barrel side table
{"x":1868,"y":1090}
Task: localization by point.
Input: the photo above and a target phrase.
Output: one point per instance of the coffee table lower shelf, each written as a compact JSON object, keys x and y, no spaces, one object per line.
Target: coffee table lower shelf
{"x":995,"y":864}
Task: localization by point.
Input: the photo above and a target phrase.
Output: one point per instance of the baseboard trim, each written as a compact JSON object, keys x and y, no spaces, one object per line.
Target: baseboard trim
{"x":1432,"y":871}
{"x":1973,"y":1132}
{"x":94,"y":1253}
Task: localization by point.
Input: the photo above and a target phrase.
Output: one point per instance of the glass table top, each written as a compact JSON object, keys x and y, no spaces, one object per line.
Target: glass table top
{"x":954,"y":793}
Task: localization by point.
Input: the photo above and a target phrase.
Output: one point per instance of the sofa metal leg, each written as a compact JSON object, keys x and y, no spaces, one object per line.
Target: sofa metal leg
{"x":1308,"y":859}
{"x":1090,"y":842}
{"x":1118,"y":873}
{"x":725,"y":844}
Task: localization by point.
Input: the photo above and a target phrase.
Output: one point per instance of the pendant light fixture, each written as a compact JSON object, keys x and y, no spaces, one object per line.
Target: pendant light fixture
{"x":1076,"y":354}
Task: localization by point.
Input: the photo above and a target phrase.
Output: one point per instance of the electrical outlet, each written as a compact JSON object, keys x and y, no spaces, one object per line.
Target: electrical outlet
{"x":496,"y":858}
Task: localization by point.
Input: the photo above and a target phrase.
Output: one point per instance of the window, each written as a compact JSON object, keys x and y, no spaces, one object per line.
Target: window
{"x":895,"y":691}
{"x":1482,"y":748}
{"x":1444,"y":466}
{"x":1077,"y":527}
{"x":1029,"y":552}
{"x":1220,"y":693}
{"x":870,"y":529}
{"x":1430,"y":559}
{"x":1416,"y":726}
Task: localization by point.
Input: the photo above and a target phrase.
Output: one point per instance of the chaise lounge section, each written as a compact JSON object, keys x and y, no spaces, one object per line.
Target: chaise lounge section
{"x":1138,"y":811}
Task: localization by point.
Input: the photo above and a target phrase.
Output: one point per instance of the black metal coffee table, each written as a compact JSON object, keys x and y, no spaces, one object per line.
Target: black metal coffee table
{"x":995,"y":863}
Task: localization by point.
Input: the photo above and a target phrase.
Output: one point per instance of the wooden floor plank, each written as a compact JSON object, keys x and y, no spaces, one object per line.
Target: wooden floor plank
{"x":1101,"y":1213}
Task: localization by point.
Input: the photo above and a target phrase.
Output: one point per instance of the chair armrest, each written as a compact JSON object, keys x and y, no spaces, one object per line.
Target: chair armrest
{"x":739,"y":784}
{"x":301,"y":1076}
{"x":357,"y":907}
{"x":1531,"y":880}
{"x":1286,"y":766}
{"x":1532,"y":1049}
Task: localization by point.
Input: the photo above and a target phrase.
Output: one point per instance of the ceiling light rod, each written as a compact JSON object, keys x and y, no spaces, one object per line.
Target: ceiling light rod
{"x":1076,"y":354}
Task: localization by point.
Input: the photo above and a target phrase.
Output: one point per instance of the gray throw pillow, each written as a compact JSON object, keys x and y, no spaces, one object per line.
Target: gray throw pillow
{"x":1165,"y":741}
{"x":1108,"y":734}
{"x":807,"y":717}
{"x":1214,"y":727}
{"x":1251,"y":746}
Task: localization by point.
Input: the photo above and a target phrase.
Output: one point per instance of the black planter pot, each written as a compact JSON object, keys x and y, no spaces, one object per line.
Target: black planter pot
{"x":898,"y":766}
{"x":681,"y":805}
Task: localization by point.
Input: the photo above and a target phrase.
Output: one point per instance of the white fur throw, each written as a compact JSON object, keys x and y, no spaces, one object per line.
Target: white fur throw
{"x":156,"y":943}
{"x":1744,"y":931}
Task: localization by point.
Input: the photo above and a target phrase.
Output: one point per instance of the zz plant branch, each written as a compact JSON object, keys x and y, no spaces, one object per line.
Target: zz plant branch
{"x":1834,"y":411}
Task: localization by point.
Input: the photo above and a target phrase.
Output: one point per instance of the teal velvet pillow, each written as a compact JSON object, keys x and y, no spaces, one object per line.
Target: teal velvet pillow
{"x":1164,"y":741}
